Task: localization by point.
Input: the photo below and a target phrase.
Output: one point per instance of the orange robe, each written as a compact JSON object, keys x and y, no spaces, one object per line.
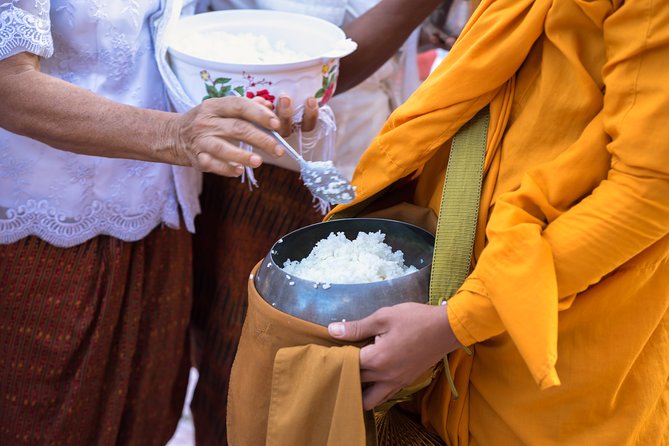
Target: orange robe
{"x":566,"y":307}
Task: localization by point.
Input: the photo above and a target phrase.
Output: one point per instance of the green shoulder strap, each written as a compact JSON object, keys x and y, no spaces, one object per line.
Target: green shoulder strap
{"x":458,"y":214}
{"x":459,"y":209}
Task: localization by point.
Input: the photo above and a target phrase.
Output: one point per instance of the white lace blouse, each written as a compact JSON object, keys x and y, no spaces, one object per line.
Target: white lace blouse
{"x":104,"y":46}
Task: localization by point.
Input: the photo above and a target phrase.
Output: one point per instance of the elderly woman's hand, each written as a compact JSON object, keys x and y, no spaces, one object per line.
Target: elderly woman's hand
{"x":71,"y":118}
{"x":409,"y":338}
{"x":208,"y":135}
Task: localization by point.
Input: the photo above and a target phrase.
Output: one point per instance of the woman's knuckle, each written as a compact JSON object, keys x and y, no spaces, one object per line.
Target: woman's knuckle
{"x":239,"y":128}
{"x":205,"y":167}
{"x":208,"y":106}
{"x":238,"y":106}
{"x":204,"y":163}
{"x":198,"y":126}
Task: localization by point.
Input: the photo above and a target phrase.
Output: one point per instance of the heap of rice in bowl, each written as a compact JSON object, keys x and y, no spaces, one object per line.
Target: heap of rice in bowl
{"x":337,"y":259}
{"x":242,"y":48}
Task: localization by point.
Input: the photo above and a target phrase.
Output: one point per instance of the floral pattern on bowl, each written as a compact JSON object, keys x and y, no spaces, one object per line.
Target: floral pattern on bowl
{"x":330,"y":72}
{"x":223,"y":86}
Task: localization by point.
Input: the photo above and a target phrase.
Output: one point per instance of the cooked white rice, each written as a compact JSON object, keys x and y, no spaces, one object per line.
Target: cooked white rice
{"x":337,"y":259}
{"x":242,"y":48}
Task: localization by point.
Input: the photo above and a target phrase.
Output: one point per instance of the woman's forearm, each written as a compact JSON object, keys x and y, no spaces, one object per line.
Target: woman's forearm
{"x":71,"y":118}
{"x":380,"y":32}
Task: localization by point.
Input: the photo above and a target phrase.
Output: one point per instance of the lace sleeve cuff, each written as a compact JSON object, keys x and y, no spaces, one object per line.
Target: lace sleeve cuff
{"x":22,"y":31}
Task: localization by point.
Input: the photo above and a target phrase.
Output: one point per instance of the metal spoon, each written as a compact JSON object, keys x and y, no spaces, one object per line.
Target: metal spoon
{"x":321,"y":177}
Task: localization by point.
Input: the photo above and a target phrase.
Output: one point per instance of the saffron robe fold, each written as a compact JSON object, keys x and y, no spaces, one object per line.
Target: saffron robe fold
{"x":566,"y":307}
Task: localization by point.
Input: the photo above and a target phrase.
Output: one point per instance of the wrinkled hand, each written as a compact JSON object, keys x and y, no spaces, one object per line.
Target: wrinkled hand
{"x":284,"y":110}
{"x":409,"y":338}
{"x":208,"y":134}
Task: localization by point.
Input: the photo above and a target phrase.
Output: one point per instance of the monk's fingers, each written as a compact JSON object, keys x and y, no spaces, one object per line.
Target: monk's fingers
{"x":379,"y":363}
{"x":373,"y":362}
{"x":241,"y":108}
{"x":359,"y":330}
{"x":310,"y":116}
{"x":284,"y":111}
{"x":370,"y":375}
{"x":376,"y":394}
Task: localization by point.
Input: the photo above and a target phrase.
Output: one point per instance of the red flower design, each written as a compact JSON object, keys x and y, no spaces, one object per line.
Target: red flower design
{"x":263,"y":94}
{"x":328,"y":94}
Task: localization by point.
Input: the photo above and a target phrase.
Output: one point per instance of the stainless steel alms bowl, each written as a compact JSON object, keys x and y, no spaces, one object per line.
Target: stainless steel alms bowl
{"x":299,"y":297}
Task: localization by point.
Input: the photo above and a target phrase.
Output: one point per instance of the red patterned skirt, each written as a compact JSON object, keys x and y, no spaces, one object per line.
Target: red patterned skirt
{"x":236,"y":229}
{"x":93,"y":340}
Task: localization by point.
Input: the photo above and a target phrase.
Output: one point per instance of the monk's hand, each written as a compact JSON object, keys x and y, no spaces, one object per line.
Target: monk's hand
{"x":284,"y":110}
{"x":408,"y":339}
{"x":207,"y":137}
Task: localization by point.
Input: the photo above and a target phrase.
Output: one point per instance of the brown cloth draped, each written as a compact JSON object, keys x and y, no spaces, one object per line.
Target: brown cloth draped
{"x":237,"y":228}
{"x":292,"y":384}
{"x":93,"y":340}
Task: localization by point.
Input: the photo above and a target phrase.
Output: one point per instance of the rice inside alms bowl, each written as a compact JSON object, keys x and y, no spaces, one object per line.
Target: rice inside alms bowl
{"x":336,"y":259}
{"x":346,"y":268}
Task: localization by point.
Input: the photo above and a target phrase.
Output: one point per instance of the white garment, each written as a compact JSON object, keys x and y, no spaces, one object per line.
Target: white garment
{"x":360,"y":112}
{"x":104,"y":46}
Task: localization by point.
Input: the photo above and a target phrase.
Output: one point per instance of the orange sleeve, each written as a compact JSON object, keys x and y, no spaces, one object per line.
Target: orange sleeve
{"x":578,"y":218}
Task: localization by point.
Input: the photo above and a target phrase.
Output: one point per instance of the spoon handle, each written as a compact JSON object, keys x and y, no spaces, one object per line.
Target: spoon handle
{"x":291,"y":151}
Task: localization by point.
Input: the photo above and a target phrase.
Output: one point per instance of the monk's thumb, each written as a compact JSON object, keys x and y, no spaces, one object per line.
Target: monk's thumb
{"x":349,"y":331}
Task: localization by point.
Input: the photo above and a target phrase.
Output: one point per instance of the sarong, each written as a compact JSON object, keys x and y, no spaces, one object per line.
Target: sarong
{"x":93,"y":340}
{"x":236,"y":229}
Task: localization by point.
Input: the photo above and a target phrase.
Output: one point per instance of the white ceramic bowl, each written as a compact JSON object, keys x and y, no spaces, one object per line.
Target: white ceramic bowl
{"x":318,"y":43}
